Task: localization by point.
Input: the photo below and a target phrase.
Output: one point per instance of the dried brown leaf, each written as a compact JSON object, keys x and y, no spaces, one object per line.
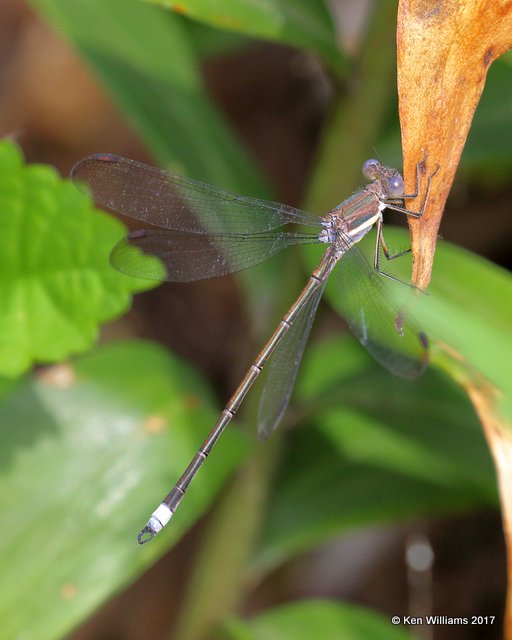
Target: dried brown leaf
{"x":444,"y":51}
{"x":445,"y":48}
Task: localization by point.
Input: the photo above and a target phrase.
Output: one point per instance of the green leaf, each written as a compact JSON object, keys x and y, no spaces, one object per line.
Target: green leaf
{"x":88,"y":451}
{"x":372,"y":449}
{"x":148,"y":60}
{"x":467,"y":307}
{"x":303,"y":23}
{"x":209,"y":42}
{"x":314,"y":619}
{"x":56,"y":283}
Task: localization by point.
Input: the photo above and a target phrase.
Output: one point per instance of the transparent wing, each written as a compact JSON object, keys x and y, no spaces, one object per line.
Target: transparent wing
{"x":376,"y":310}
{"x":281,"y":372}
{"x":158,"y":254}
{"x":169,"y":201}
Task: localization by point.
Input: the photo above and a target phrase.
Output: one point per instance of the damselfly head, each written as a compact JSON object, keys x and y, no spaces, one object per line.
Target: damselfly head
{"x":392,"y":181}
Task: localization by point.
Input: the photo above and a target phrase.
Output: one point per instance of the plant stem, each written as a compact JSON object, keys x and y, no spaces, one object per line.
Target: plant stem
{"x":356,"y":122}
{"x":217,"y":587}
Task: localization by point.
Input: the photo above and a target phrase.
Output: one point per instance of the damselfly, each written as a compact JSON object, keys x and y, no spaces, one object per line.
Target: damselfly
{"x":200,"y":231}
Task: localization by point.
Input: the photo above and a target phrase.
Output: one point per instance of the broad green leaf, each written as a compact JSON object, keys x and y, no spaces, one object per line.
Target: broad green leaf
{"x":209,"y":42}
{"x":372,"y":449}
{"x":89,"y":449}
{"x":56,"y":283}
{"x":469,"y":309}
{"x":303,"y":23}
{"x":147,"y":59}
{"x":467,"y":306}
{"x":307,"y":619}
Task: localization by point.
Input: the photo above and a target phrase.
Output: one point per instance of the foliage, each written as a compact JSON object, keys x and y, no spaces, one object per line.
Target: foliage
{"x":314,"y":618}
{"x":57,"y":284}
{"x":96,"y":433}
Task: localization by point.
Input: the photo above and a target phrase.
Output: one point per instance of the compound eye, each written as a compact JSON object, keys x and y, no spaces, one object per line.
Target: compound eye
{"x":372,"y":169}
{"x":395,"y":187}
